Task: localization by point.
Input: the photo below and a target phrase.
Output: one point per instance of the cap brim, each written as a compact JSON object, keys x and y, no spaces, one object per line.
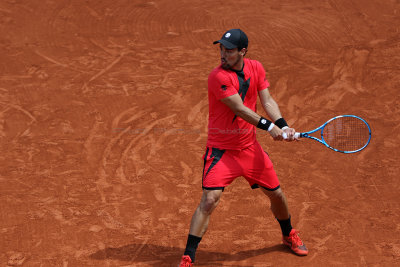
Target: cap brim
{"x":225,"y":43}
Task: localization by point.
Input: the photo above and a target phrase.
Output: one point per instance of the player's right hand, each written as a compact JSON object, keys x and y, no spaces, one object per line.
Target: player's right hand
{"x":276,"y":133}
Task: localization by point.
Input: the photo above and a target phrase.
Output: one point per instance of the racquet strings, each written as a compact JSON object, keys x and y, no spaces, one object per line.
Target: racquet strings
{"x":346,"y":134}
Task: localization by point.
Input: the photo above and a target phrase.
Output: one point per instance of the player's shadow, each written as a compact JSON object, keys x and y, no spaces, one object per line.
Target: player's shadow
{"x":170,"y":256}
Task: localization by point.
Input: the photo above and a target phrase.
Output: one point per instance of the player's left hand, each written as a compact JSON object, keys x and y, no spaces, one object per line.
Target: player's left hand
{"x":290,"y":134}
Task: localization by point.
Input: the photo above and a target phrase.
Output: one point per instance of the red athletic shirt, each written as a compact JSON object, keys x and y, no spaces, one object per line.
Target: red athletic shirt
{"x":225,"y":129}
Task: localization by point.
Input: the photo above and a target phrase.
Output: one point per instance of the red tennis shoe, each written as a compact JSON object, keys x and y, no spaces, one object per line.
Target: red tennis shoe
{"x":294,"y":242}
{"x":186,"y":261}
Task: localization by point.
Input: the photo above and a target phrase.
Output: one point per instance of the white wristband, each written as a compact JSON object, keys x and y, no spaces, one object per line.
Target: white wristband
{"x":270,"y":127}
{"x":285,"y":127}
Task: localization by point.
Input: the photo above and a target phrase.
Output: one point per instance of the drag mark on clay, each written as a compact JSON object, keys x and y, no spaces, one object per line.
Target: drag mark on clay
{"x":116,"y":150}
{"x":139,"y":249}
{"x":319,"y":245}
{"x":348,"y":70}
{"x":136,"y":142}
{"x":109,"y":51}
{"x":136,"y":115}
{"x":103,"y":71}
{"x":121,"y":132}
{"x":195,"y":111}
{"x":94,"y":131}
{"x":33,"y":119}
{"x":3,"y":119}
{"x":109,"y":221}
{"x":15,"y":258}
{"x":107,"y":152}
{"x":303,"y":213}
{"x":56,"y":62}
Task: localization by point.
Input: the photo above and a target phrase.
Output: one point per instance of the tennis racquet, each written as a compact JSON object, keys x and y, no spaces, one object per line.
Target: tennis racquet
{"x":344,"y":133}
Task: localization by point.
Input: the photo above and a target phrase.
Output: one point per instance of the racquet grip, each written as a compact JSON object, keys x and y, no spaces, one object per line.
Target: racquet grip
{"x":296,"y":135}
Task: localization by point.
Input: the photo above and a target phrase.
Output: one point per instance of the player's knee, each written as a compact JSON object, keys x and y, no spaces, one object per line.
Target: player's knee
{"x":209,"y":203}
{"x":276,"y":195}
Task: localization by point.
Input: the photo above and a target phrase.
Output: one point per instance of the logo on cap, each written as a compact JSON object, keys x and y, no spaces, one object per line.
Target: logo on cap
{"x":228,"y":35}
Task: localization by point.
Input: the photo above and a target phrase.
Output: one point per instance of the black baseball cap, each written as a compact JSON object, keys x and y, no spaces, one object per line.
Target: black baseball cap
{"x":234,"y":38}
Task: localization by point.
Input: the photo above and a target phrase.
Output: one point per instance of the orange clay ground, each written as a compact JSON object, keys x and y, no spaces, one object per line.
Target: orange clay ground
{"x":103,"y":123}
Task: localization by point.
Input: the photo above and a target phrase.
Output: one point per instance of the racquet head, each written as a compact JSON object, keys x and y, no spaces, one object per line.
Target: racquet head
{"x":347,"y":133}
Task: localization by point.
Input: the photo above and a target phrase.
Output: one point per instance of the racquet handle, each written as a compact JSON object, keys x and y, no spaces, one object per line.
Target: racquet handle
{"x":296,"y":136}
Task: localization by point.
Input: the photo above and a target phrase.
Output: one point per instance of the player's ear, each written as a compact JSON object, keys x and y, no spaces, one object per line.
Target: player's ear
{"x":243,"y":51}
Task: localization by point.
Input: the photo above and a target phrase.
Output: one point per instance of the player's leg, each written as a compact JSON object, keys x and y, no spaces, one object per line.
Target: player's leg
{"x":199,"y":223}
{"x":220,"y":169}
{"x":260,"y":173}
{"x":201,"y":216}
{"x":279,"y":208}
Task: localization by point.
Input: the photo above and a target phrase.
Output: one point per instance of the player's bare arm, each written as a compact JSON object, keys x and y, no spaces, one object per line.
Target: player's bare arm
{"x":272,"y":109}
{"x":235,"y":103}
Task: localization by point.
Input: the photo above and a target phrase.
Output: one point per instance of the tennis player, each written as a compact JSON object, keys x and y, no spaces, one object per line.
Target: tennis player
{"x":232,"y":149}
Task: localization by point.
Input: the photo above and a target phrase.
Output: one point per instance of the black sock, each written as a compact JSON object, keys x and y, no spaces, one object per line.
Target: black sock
{"x":191,"y":246}
{"x":286,"y":226}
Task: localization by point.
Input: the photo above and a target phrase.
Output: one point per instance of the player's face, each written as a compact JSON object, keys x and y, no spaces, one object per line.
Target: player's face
{"x":230,"y":58}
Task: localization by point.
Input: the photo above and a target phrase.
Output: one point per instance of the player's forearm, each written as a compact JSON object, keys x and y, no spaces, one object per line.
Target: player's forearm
{"x":272,"y":109}
{"x":248,"y":115}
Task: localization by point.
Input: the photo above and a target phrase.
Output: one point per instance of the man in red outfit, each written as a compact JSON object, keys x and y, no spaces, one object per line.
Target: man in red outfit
{"x":232,"y":149}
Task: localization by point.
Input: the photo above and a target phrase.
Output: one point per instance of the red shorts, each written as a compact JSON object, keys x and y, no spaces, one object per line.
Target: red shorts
{"x":221,"y":167}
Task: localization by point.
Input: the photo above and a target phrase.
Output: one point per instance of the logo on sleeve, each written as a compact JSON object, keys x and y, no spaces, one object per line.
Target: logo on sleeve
{"x":224,"y":87}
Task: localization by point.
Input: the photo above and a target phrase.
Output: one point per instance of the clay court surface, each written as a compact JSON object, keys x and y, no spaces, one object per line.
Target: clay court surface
{"x":103,"y":123}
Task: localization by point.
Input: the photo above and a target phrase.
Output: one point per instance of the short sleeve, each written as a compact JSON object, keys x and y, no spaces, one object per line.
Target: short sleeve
{"x":262,"y":79}
{"x":220,"y":85}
